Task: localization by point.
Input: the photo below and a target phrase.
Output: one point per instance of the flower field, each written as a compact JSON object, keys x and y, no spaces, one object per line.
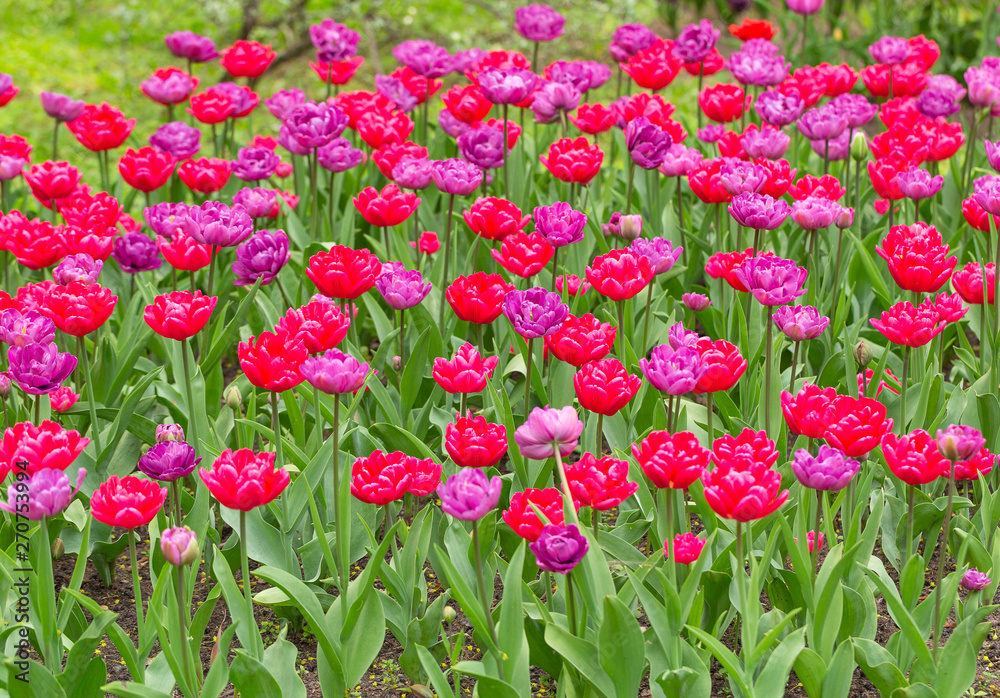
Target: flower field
{"x":503,"y":375}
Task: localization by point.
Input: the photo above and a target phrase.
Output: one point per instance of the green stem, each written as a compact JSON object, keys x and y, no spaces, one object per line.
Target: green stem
{"x":621,"y":331}
{"x":447,"y":255}
{"x":600,"y":435}
{"x":628,"y":195}
{"x":768,"y":361}
{"x":795,"y":359}
{"x":570,"y":604}
{"x":487,"y":600}
{"x":911,"y":502}
{"x":94,"y":428}
{"x":140,"y":623}
{"x":645,"y":321}
{"x":819,"y":515}
{"x":182,"y":617}
{"x":192,"y":422}
{"x":564,"y":484}
{"x":902,"y":390}
{"x":342,"y":535}
{"x":710,"y":409}
{"x":256,"y":650}
{"x":527,"y":379}
{"x":942,"y":553}
{"x":506,"y":181}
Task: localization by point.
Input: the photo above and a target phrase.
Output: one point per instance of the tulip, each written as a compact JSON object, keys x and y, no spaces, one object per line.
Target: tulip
{"x":492,"y":218}
{"x":469,"y":495}
{"x":478,"y":298}
{"x":261,"y":257}
{"x":559,"y":549}
{"x":581,"y":339}
{"x":382,"y":477}
{"x":62,"y":399}
{"x":687,"y":548}
{"x":523,"y":254}
{"x":671,"y":461}
{"x":343,"y":273}
{"x":696,"y":302}
{"x":42,"y":495}
{"x":605,"y":387}
{"x":472,"y":442}
{"x":974,"y":580}
{"x":39,"y":369}
{"x":204,"y":175}
{"x":46,"y":446}
{"x":599,"y":483}
{"x":521,"y":516}
{"x":673,"y":371}
{"x":576,"y":161}
{"x":179,"y":546}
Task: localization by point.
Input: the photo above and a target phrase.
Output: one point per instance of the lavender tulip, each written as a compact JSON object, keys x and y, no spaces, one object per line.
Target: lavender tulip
{"x":937,"y":103}
{"x":402,"y":289}
{"x":38,"y":369}
{"x":696,"y":41}
{"x":169,"y":432}
{"x":507,"y":86}
{"x":191,"y":46}
{"x":170,"y":89}
{"x":829,"y":470}
{"x":179,"y":546}
{"x":214,"y":223}
{"x":660,"y":252}
{"x":255,"y":164}
{"x":974,"y":580}
{"x":178,"y":139}
{"x":671,"y":370}
{"x":772,"y":280}
{"x":19,"y":329}
{"x":759,"y":211}
{"x":169,"y":461}
{"x":337,"y":42}
{"x":413,"y":173}
{"x":629,"y":39}
{"x":262,"y":256}
{"x":822,"y":124}
{"x":960,"y":443}
{"x":457,"y":177}
{"x":482,"y":146}
{"x":469,"y":494}
{"x":779,"y":109}
{"x":767,"y":142}
{"x":696,"y":301}
{"x":282,"y":102}
{"x":339,"y":155}
{"x":49,"y":493}
{"x":77,"y":267}
{"x":855,"y":108}
{"x":918,"y":184}
{"x":679,"y":160}
{"x":258,"y":201}
{"x":395,"y":90}
{"x":559,"y":224}
{"x":741,"y":176}
{"x":815,"y":213}
{"x":538,"y":23}
{"x":647,"y":143}
{"x":334,"y":372}
{"x":535,"y":313}
{"x":711,"y":133}
{"x":800,"y":322}
{"x":889,"y":50}
{"x":559,"y":549}
{"x":61,"y":107}
{"x":136,"y":252}
{"x":552,"y":100}
{"x":313,"y":125}
{"x":424,"y":58}
{"x":547,"y":429}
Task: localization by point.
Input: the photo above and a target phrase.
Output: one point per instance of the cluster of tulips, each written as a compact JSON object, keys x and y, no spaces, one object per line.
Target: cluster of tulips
{"x":379,"y":264}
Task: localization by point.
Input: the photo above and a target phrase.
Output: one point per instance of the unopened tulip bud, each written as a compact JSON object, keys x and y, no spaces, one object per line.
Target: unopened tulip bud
{"x":863,"y":354}
{"x":630,"y":227}
{"x":58,"y":548}
{"x":397,"y":363}
{"x":233,"y":397}
{"x":179,"y":546}
{"x":859,"y":146}
{"x":449,"y":615}
{"x":844,"y":219}
{"x":169,"y":432}
{"x":5,"y":382}
{"x":419,"y":691}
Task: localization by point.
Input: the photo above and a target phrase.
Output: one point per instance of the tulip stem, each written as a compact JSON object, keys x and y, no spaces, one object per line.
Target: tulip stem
{"x":176,"y":503}
{"x":912,"y":501}
{"x":314,"y":196}
{"x":55,"y":141}
{"x":564,"y":483}
{"x":768,"y":360}
{"x":529,"y":360}
{"x":427,"y":99}
{"x":795,"y":359}
{"x":570,"y":603}
{"x":942,"y":553}
{"x":182,"y":617}
{"x":835,"y":296}
{"x":447,"y":258}
{"x":342,"y":536}
{"x":600,"y":435}
{"x":256,"y":650}
{"x":742,"y":584}
{"x":819,"y":515}
{"x":487,"y":600}
{"x":992,"y":224}
{"x":90,"y":396}
{"x":136,"y":589}
{"x":680,"y":210}
{"x":192,"y":422}
{"x":621,"y":331}
{"x":506,"y":181}
{"x":645,"y":321}
{"x":710,"y":409}
{"x":902,"y":389}
{"x":671,"y":552}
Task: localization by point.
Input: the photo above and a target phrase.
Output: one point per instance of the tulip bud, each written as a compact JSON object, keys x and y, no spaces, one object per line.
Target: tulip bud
{"x":58,"y":548}
{"x":179,"y":546}
{"x":859,"y":146}
{"x":5,"y":381}
{"x":233,"y":397}
{"x":449,"y":615}
{"x":397,"y":363}
{"x":844,"y":219}
{"x":959,"y":443}
{"x":419,"y":691}
{"x":863,"y":354}
{"x":169,"y":432}
{"x":630,"y":227}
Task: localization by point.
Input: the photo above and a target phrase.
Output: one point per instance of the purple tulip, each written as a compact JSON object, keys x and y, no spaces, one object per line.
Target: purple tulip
{"x":482,"y":146}
{"x":178,"y":139}
{"x":986,"y":192}
{"x":946,"y":84}
{"x":535,"y":313}
{"x":711,"y":133}
{"x":678,"y":336}
{"x":49,"y":493}
{"x":800,"y":322}
{"x":629,"y":39}
{"x":695,"y":42}
{"x":559,"y":224}
{"x":835,"y":149}
{"x":993,"y":154}
{"x":61,"y":107}
{"x":507,"y":86}
{"x":402,"y":289}
{"x":5,"y":383}
{"x":804,"y":7}
{"x":19,"y":329}
{"x":258,"y":201}
{"x":613,"y":227}
{"x":772,"y":280}
{"x":647,"y":143}
{"x":38,"y":369}
{"x":335,"y":41}
{"x":582,"y":75}
{"x":844,"y":218}
{"x":465,"y":60}
{"x":255,"y":164}
{"x":286,"y":141}
{"x":757,"y":68}
{"x":262,"y":256}
{"x":741,"y":176}
{"x":547,"y":429}
{"x":673,"y":370}
{"x":77,"y":267}
{"x":450,"y":125}
{"x":917,"y":184}
{"x":960,"y":443}
{"x":767,"y":142}
{"x":696,"y":301}
{"x":559,"y":549}
{"x":165,"y":218}
{"x":339,"y":155}
{"x":455,"y":176}
{"x":630,"y":226}
{"x":11,"y":167}
{"x":179,"y":546}
{"x":136,"y":252}
{"x":214,"y":223}
{"x":282,"y":102}
{"x":394,"y":90}
{"x":169,"y":461}
{"x":191,"y":46}
{"x":679,"y":160}
{"x":171,"y":89}
{"x":890,"y":50}
{"x":829,"y":470}
{"x":169,"y":432}
{"x":334,"y":372}
{"x":815,"y":213}
{"x":424,"y":58}
{"x":855,"y":108}
{"x":759,"y":211}
{"x":469,"y":494}
{"x":974,"y":580}
{"x":937,"y":103}
{"x":778,"y":109}
{"x":412,"y":173}
{"x":822,"y":123}
{"x":538,"y":23}
{"x":243,"y":101}
{"x":554,"y":99}
{"x":660,"y":252}
{"x":313,"y":125}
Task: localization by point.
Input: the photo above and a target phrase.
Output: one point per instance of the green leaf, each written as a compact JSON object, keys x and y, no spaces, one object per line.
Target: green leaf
{"x":957,"y":669}
{"x":39,"y":681}
{"x":252,"y":679}
{"x":134,"y":690}
{"x":837,"y":680}
{"x":727,"y":659}
{"x":879,"y":666}
{"x":810,"y":668}
{"x":217,"y":677}
{"x":487,"y":685}
{"x":225,"y":341}
{"x":620,"y":642}
{"x":773,"y":678}
{"x":583,"y":656}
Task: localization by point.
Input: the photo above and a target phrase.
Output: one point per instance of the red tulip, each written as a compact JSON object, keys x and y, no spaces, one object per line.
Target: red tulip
{"x":705,"y":181}
{"x":205,"y":175}
{"x":45,"y":446}
{"x":779,"y":176}
{"x":387,"y":157}
{"x":15,"y":146}
{"x":980,"y":464}
{"x":917,"y":259}
{"x":427,"y":243}
{"x":146,"y":169}
{"x":35,"y":243}
{"x":724,"y":365}
{"x":671,"y":461}
{"x":467,"y":103}
{"x":599,"y":483}
{"x":723,"y":103}
{"x":581,"y":339}
{"x":883,"y":175}
{"x":575,"y":285}
{"x":742,"y":486}
{"x":976,"y":217}
{"x":805,"y":411}
{"x":513,"y":129}
{"x":247,"y":59}
{"x":855,"y":425}
{"x":212,"y":106}
{"x":127,"y":502}
{"x":825,"y":187}
{"x":416,"y":84}
{"x":604,"y":386}
{"x":62,"y":398}
{"x":386,"y":208}
{"x":807,"y":82}
{"x":914,"y":458}
{"x":78,"y":308}
{"x":868,"y":376}
{"x":908,"y":80}
{"x":244,"y":480}
{"x":183,"y":252}
{"x":466,"y":373}
{"x":381,"y":477}
{"x":573,"y":160}
{"x":271,"y":361}
{"x":593,"y":118}
{"x":620,"y":274}
{"x":319,"y":325}
{"x":425,"y":475}
{"x":968,"y":282}
{"x":337,"y":72}
{"x":523,"y":254}
{"x":378,"y":130}
{"x":180,"y":314}
{"x":753,"y":29}
{"x":8,"y":94}
{"x":652,"y":106}
{"x":472,"y":442}
{"x":712,"y":64}
{"x":687,"y":548}
{"x":492,"y":218}
{"x":655,"y":67}
{"x":101,"y":127}
{"x":521,"y":515}
{"x":477,"y":298}
{"x":94,"y":214}
{"x":903,"y":324}
{"x":358,"y":103}
{"x":343,"y":272}
{"x":52,"y":180}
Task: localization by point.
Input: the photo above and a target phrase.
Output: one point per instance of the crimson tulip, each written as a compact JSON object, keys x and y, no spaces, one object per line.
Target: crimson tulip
{"x":52,"y":180}
{"x":804,"y":411}
{"x":521,"y":515}
{"x":127,"y":502}
{"x":205,"y":175}
{"x":907,"y":325}
{"x":671,"y":461}
{"x":581,"y":339}
{"x":101,"y":127}
{"x":523,"y":254}
{"x":724,"y":365}
{"x":620,"y":274}
{"x":492,"y":218}
{"x":576,"y":161}
{"x":319,"y":325}
{"x":855,"y":425}
{"x":180,"y":314}
{"x":244,"y":480}
{"x":343,"y":272}
{"x":472,"y":442}
{"x":146,"y":169}
{"x":655,"y":67}
{"x":34,"y":448}
{"x":183,"y":252}
{"x":478,"y":298}
{"x":604,"y":386}
{"x":247,"y":59}
{"x":382,"y":477}
{"x":386,"y":208}
{"x":914,"y":458}
{"x":271,"y":360}
{"x":466,"y":373}
{"x":599,"y":483}
{"x":78,"y":308}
